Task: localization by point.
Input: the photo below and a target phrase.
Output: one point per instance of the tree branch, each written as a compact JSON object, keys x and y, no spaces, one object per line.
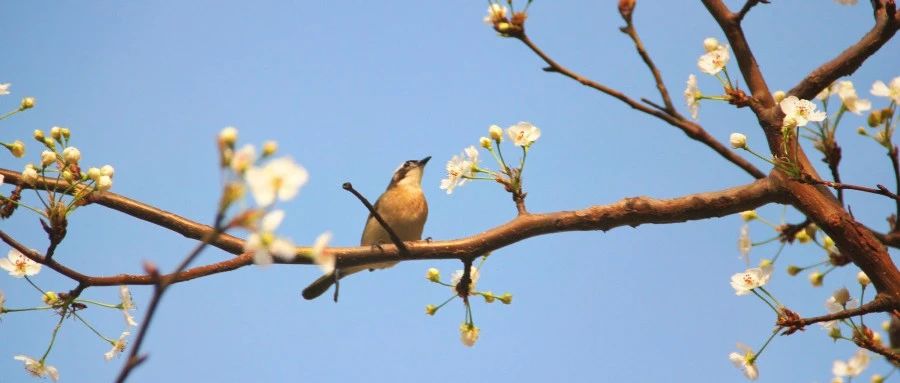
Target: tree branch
{"x":879,"y":304}
{"x":886,"y":24}
{"x":629,"y":30}
{"x":691,"y":129}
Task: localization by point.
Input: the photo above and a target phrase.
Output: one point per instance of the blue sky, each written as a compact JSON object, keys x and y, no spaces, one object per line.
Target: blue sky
{"x":350,"y":90}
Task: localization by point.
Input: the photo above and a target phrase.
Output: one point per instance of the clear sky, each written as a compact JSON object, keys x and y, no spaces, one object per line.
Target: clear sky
{"x":350,"y":90}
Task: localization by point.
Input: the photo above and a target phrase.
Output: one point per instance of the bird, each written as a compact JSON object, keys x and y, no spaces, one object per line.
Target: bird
{"x":402,"y":206}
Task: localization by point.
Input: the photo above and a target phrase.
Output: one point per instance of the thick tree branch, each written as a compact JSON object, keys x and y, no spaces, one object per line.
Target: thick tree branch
{"x":731,"y":26}
{"x":887,"y":21}
{"x":627,"y":212}
{"x":691,"y":129}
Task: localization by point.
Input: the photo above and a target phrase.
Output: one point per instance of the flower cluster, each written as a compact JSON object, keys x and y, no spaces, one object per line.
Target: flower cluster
{"x":507,"y":22}
{"x":714,"y":63}
{"x":467,"y":166}
{"x":468,"y":331}
{"x":270,"y":180}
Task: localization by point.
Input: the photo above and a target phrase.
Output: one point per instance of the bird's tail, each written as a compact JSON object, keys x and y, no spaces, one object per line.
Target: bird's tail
{"x":319,"y":287}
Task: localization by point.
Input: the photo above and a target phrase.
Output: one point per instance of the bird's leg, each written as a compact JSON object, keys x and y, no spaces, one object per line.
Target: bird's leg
{"x":337,"y":284}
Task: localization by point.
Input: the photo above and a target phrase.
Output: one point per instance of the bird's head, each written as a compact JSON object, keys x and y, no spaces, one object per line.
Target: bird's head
{"x":410,"y":173}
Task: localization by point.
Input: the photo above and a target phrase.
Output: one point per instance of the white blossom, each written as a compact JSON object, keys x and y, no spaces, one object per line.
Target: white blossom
{"x":280,"y":178}
{"x":127,"y":305}
{"x":714,"y":61}
{"x":744,"y":360}
{"x":38,"y":368}
{"x":18,"y":265}
{"x":692,"y":96}
{"x":750,"y":279}
{"x":523,"y":134}
{"x":851,"y":101}
{"x":852,"y":367}
{"x":892,"y":92}
{"x":117,"y":346}
{"x":799,"y":112}
{"x":320,"y":256}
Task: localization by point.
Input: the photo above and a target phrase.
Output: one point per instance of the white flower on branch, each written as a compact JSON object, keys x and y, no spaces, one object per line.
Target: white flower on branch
{"x":523,"y":134}
{"x":468,"y":334}
{"x":18,"y":265}
{"x":692,"y":96}
{"x":458,"y":274}
{"x":851,"y":101}
{"x":745,"y":360}
{"x":4,"y":88}
{"x":264,"y":243}
{"x":280,"y":178}
{"x":839,"y":301}
{"x":459,"y":169}
{"x":320,"y":256}
{"x":127,"y":305}
{"x":714,"y":61}
{"x":750,"y":279}
{"x":38,"y":368}
{"x":117,"y":346}
{"x":852,"y":367}
{"x":799,"y":112}
{"x":892,"y":92}
{"x":495,"y":14}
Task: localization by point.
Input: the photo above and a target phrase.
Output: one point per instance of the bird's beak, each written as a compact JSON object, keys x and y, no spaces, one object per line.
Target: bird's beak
{"x":424,"y":161}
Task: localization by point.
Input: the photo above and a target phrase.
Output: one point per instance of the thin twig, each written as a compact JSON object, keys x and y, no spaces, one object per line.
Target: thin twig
{"x":394,"y":237}
{"x":896,"y":165}
{"x":629,"y":30}
{"x":879,"y":304}
{"x":162,"y":284}
{"x":691,"y":129}
{"x":747,"y":6}
{"x":879,"y":189}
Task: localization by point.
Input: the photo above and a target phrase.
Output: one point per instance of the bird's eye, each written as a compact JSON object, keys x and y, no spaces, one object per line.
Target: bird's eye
{"x":407,"y":164}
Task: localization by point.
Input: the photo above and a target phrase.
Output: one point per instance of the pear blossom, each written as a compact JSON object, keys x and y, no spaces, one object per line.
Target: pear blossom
{"x":523,"y":134}
{"x":692,"y":96}
{"x":892,"y":92}
{"x":320,"y":256}
{"x":458,"y":274}
{"x":851,"y":101}
{"x":495,"y":14}
{"x":468,"y":333}
{"x":744,"y":243}
{"x":17,"y":148}
{"x":496,"y":133}
{"x":459,"y":170}
{"x":2,"y":301}
{"x":839,"y":301}
{"x":280,"y":178}
{"x":863,"y":279}
{"x":799,"y":112}
{"x":4,"y":88}
{"x":243,"y":158}
{"x":264,"y":244}
{"x":38,"y":368}
{"x":47,"y":157}
{"x":714,"y":61}
{"x":107,"y":170}
{"x":745,"y":360}
{"x":710,"y":44}
{"x":228,"y":135}
{"x":854,"y":366}
{"x":117,"y":346}
{"x":18,"y":265}
{"x":750,"y":279}
{"x":127,"y":305}
{"x":104,"y":183}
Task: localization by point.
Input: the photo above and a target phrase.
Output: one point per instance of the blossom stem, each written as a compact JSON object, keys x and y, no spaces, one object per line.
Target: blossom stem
{"x":34,"y":285}
{"x":7,"y":310}
{"x":93,"y":329}
{"x":747,"y":148}
{"x":10,"y":113}
{"x":778,"y":253}
{"x":445,"y":302}
{"x":112,"y":306}
{"x":20,"y":204}
{"x":771,"y":296}
{"x":53,"y":336}
{"x":727,"y":77}
{"x":862,"y":295}
{"x":502,"y":162}
{"x":761,"y":349}
{"x":765,"y":300}
{"x":760,"y":243}
{"x":837,"y":119}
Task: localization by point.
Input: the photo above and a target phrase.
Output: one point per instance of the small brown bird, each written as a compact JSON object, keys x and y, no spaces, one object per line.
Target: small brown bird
{"x":403,"y":208}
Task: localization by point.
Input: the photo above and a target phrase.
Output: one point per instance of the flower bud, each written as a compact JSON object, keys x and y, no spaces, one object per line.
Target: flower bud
{"x":748,"y":215}
{"x":862,"y":131}
{"x":489,"y":297}
{"x":233,"y":192}
{"x":104,"y":183}
{"x":496,"y":133}
{"x":816,"y":278}
{"x":778,"y":96}
{"x":27,"y":103}
{"x":56,"y":133}
{"x":71,"y":154}
{"x":802,"y":236}
{"x":68,"y":176}
{"x":38,"y":135}
{"x":228,"y":136}
{"x":841,"y":296}
{"x":738,"y":141}
{"x":828,"y":243}
{"x":17,"y":148}
{"x":876,"y":378}
{"x":710,"y":44}
{"x":433,"y":274}
{"x":47,"y":158}
{"x":50,"y":298}
{"x":626,"y":8}
{"x":66,"y":133}
{"x":269,"y":148}
{"x":107,"y":170}
{"x":506,"y":298}
{"x":431,"y":309}
{"x":835,"y":333}
{"x":29,"y":175}
{"x":765,"y":263}
{"x":863,"y":279}
{"x":887,"y":114}
{"x":793,"y":270}
{"x":49,"y":143}
{"x":93,"y":173}
{"x":874,"y":118}
{"x":485,"y":143}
